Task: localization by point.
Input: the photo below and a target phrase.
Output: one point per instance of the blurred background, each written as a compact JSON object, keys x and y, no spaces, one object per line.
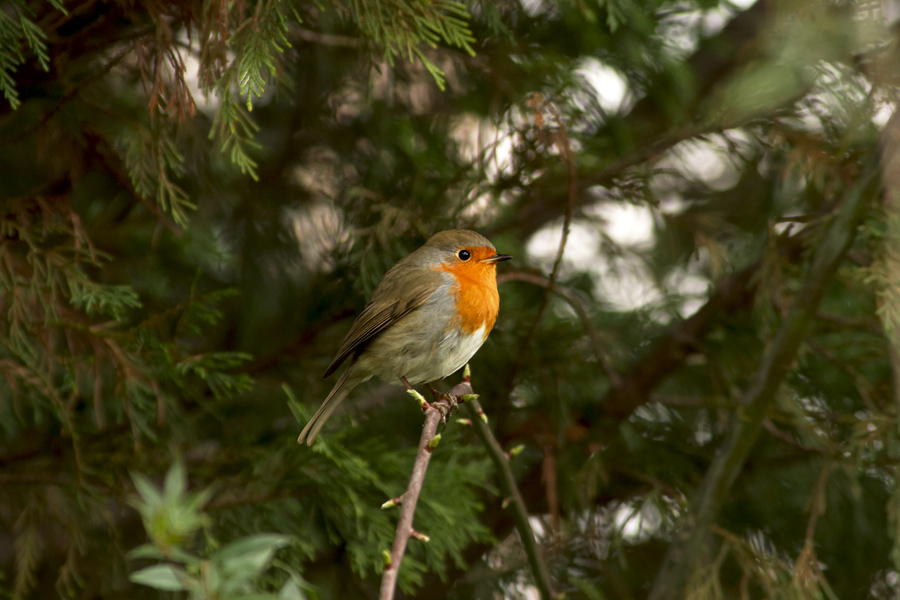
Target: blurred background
{"x":698,"y":345}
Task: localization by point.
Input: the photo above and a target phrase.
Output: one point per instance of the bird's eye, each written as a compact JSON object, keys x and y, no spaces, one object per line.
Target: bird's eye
{"x":463,"y":255}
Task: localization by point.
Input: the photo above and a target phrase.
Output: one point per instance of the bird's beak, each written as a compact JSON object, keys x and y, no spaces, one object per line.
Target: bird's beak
{"x":496,"y":258}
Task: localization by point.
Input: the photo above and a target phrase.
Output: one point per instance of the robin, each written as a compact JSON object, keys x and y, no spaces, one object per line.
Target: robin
{"x":429,"y":314}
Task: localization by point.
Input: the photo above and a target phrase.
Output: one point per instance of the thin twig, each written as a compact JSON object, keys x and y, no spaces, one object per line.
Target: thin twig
{"x":411,"y":497}
{"x":560,"y":139}
{"x":580,"y":309}
{"x":889,"y":264}
{"x":325,"y":39}
{"x":510,"y":490}
{"x":71,"y":93}
{"x":817,"y":503}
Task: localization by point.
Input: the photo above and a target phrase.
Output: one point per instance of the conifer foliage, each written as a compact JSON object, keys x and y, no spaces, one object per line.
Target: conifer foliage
{"x":697,"y":353}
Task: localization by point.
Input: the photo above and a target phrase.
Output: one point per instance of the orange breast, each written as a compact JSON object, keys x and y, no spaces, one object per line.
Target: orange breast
{"x":477,"y":300}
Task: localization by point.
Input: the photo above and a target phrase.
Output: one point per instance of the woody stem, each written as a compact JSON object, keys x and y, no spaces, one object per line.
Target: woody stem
{"x":433,"y":416}
{"x":520,"y":512}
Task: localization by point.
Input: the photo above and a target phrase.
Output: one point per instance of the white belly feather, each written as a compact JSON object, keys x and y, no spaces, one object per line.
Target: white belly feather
{"x":459,"y":349}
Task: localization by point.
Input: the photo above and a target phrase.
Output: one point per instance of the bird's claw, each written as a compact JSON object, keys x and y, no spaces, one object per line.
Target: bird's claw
{"x":452,"y":404}
{"x":448,"y":404}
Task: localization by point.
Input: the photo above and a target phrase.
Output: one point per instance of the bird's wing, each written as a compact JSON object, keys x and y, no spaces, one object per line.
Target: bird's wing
{"x":396,"y":296}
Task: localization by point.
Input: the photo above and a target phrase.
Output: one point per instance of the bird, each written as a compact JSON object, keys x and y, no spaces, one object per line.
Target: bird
{"x":427,"y":317}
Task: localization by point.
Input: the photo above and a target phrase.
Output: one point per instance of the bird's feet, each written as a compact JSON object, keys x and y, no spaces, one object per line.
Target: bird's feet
{"x":448,"y":404}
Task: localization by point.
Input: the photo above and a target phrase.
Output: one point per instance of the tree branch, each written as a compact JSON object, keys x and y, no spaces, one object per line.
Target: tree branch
{"x":709,"y":497}
{"x":325,"y":39}
{"x":650,"y":131}
{"x":507,"y":484}
{"x":580,"y":309}
{"x":510,"y":490}
{"x":409,"y":499}
{"x":888,"y":267}
{"x":559,"y":138}
{"x":635,"y":386}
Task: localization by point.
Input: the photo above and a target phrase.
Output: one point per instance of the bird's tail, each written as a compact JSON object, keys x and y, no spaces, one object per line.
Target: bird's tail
{"x":340,"y":391}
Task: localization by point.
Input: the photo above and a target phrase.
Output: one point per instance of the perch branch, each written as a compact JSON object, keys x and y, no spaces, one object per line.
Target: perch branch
{"x":409,"y":499}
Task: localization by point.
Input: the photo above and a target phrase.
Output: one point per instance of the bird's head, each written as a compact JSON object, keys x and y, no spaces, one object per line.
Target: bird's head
{"x":465,"y":253}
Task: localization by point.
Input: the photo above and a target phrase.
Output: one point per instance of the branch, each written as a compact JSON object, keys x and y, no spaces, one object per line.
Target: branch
{"x":888,"y":266}
{"x":507,"y":484}
{"x":110,"y":159}
{"x":409,"y":499}
{"x":671,"y":351}
{"x":510,"y":490}
{"x":325,"y":39}
{"x":686,"y":549}
{"x":559,"y":138}
{"x":714,"y":61}
{"x":635,"y":386}
{"x":578,"y":306}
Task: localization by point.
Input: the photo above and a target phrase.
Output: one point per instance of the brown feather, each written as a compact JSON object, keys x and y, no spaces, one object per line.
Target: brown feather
{"x":400,"y":292}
